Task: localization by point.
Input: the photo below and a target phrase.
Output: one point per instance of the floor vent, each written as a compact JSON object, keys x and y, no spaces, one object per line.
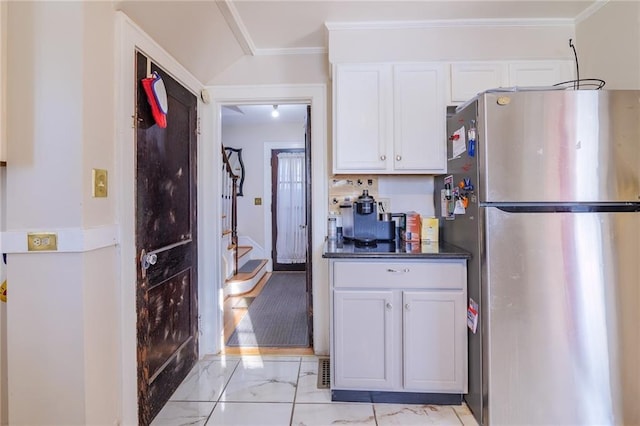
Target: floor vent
{"x":324,"y":373}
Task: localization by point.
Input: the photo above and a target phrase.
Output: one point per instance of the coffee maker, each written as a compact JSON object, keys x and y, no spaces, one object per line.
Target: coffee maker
{"x":360,"y":221}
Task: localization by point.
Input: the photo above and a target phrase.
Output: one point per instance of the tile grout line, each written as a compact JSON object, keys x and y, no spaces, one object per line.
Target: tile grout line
{"x":217,"y":401}
{"x":295,"y":393}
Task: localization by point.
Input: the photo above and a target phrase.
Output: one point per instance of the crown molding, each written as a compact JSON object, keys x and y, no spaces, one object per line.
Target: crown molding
{"x":292,"y":51}
{"x":444,"y":23}
{"x":232,"y":16}
{"x":599,"y":4}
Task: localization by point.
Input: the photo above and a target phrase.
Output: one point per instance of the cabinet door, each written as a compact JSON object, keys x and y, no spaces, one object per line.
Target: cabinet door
{"x":419,"y":119}
{"x":539,"y":73}
{"x":435,"y":341}
{"x":363,"y":339}
{"x":361,"y":124}
{"x":469,"y":79}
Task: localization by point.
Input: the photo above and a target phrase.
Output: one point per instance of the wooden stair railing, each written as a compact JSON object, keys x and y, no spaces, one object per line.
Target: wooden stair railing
{"x":230,"y":207}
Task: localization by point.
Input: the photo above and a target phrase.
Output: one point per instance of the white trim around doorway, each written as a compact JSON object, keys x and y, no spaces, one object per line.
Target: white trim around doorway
{"x":129,"y":38}
{"x":316,"y":96}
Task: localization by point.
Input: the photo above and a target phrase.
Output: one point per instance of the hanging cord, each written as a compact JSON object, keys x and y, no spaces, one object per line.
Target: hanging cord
{"x":576,"y":84}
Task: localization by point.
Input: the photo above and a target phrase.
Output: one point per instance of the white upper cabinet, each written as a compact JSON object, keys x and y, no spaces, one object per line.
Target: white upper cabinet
{"x":389,"y":118}
{"x":361,"y":96}
{"x":419,"y":119}
{"x":470,"y":78}
{"x":539,"y":73}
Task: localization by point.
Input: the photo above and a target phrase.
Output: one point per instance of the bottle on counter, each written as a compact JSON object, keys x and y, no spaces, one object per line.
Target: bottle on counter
{"x":332,"y":229}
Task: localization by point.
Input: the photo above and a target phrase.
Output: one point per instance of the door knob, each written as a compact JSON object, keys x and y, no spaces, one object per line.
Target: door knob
{"x":147,"y":260}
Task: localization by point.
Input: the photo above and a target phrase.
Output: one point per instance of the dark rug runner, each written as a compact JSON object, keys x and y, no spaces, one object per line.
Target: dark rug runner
{"x":278,"y":315}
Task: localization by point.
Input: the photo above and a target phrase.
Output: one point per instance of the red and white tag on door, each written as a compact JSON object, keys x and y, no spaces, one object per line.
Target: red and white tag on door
{"x":472,"y":316}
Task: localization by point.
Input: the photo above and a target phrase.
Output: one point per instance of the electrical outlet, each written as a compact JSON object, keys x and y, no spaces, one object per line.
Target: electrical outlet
{"x":42,"y":242}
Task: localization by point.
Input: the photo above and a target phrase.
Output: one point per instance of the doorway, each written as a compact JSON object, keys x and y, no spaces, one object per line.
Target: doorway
{"x":288,"y":210}
{"x":252,"y":129}
{"x":166,"y":241}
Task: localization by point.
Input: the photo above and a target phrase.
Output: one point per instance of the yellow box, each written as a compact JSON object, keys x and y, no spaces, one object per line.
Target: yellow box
{"x":430,"y":229}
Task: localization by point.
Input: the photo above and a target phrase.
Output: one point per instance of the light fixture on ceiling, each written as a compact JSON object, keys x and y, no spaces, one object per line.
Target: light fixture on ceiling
{"x":275,"y":113}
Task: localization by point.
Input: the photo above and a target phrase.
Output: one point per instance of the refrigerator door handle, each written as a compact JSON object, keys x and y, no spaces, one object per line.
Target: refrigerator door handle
{"x":567,"y":207}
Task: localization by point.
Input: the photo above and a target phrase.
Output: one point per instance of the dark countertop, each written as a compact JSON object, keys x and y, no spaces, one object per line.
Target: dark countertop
{"x":393,"y":250}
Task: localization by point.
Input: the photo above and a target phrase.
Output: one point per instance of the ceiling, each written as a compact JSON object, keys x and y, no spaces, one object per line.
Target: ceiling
{"x":261,"y":114}
{"x":207,"y":36}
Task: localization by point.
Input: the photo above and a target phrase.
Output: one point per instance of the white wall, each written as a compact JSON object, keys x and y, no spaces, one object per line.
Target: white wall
{"x":63,"y":315}
{"x":408,"y":193}
{"x":608,"y":45}
{"x":252,"y":139}
{"x":459,"y":41}
{"x":3,"y":79}
{"x":275,"y":69}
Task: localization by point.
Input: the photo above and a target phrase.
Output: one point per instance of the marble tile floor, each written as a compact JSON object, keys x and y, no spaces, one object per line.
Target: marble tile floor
{"x":260,"y":390}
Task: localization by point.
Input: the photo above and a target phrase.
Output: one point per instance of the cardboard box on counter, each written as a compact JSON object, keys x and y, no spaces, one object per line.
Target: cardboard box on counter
{"x":412,"y":227}
{"x":430,"y":229}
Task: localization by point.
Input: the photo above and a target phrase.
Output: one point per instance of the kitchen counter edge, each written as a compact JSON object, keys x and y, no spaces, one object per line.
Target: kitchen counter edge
{"x":426,"y":250}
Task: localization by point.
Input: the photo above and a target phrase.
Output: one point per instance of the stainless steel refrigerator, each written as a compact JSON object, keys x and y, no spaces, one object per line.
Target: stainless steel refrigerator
{"x":543,"y":188}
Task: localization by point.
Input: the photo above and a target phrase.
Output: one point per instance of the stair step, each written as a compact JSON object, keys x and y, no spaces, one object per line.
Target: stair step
{"x":244,"y":282}
{"x":244,"y":276}
{"x":243,"y":250}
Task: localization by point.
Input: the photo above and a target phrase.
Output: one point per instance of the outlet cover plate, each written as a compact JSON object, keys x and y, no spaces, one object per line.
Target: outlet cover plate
{"x":46,"y":241}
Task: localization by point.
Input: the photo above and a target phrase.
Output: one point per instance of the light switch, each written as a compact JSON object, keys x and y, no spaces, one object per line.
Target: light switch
{"x":100,"y":183}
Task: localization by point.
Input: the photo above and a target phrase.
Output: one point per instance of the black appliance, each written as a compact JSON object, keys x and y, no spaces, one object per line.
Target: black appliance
{"x":361,"y":223}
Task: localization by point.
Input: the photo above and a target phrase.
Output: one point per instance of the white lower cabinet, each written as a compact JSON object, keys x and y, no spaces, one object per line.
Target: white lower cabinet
{"x":410,"y":336}
{"x":435,"y":334}
{"x":364,"y":340}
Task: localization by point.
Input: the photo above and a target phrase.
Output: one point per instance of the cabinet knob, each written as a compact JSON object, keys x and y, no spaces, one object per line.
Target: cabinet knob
{"x":389,"y":305}
{"x":398,"y":158}
{"x":383,"y":157}
{"x":406,"y":306}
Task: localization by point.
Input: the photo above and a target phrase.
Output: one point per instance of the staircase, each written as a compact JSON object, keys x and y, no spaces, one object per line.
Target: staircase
{"x":242,"y":271}
{"x":250,"y":272}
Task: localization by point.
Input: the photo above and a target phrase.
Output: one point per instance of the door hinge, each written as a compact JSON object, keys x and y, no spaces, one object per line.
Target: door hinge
{"x":135,"y":120}
{"x":198,"y":126}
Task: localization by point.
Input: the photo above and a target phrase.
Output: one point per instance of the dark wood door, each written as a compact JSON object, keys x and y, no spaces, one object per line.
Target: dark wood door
{"x":307,"y":147}
{"x":167,"y":301}
{"x":277,"y":237}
